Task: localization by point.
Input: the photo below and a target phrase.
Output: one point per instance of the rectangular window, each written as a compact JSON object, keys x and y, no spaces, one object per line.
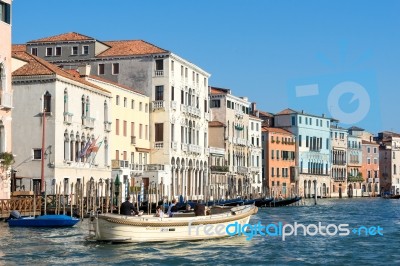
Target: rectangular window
{"x":299,"y":119}
{"x":132,"y":129}
{"x":146,"y":108}
{"x":117,"y":100}
{"x":85,"y":50}
{"x":159,"y":64}
{"x":299,"y":140}
{"x":49,"y":51}
{"x":115,"y":68}
{"x":205,"y":106}
{"x":272,"y":173}
{"x":215,"y":103}
{"x":146,"y":132}
{"x":306,"y":141}
{"x":252,"y":126}
{"x":58,"y":51}
{"x":37,"y":154}
{"x":140,"y":131}
{"x":101,"y":69}
{"x":116,"y":154}
{"x":327,"y":143}
{"x":293,"y":121}
{"x":374,"y":150}
{"x":375,"y":161}
{"x":159,"y":134}
{"x":116,"y":126}
{"x":5,"y":12}
{"x":34,"y":51}
{"x":125,"y":155}
{"x":182,"y":97}
{"x":272,"y":154}
{"x":172,"y":66}
{"x":159,"y":96}
{"x":140,"y":106}
{"x":132,"y":104}
{"x":125,"y":101}
{"x":125,"y":128}
{"x":172,"y":93}
{"x":368,"y":161}
{"x":368,"y":150}
{"x":228,"y":104}
{"x":74,"y":50}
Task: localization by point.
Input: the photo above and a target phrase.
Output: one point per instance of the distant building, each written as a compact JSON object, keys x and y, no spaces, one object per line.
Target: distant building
{"x":254,"y":156}
{"x":313,"y":148}
{"x":76,"y":148}
{"x":6,"y":94}
{"x":279,"y":149}
{"x":370,"y":168}
{"x":354,"y":163}
{"x":389,"y":162}
{"x":339,"y":138}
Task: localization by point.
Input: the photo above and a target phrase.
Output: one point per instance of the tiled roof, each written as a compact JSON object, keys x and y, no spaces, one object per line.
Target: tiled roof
{"x":215,"y":124}
{"x":132,"y":47}
{"x":39,"y":67}
{"x":276,"y":130}
{"x":18,"y":48}
{"x":69,"y":36}
{"x":215,"y":90}
{"x":114,"y":83}
{"x":262,"y":113}
{"x":254,"y":117}
{"x":289,"y":111}
{"x":369,"y":143}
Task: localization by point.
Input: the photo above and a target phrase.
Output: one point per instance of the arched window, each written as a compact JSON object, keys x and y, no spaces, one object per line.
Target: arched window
{"x":47,"y":102}
{"x":83,"y":109}
{"x":87,"y":106}
{"x":65,"y":101}
{"x":66,"y":146}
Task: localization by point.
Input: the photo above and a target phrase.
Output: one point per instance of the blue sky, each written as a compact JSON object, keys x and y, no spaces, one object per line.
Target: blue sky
{"x":342,"y":56}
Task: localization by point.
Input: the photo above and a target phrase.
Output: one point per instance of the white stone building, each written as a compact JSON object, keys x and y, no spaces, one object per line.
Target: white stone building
{"x":75,"y":115}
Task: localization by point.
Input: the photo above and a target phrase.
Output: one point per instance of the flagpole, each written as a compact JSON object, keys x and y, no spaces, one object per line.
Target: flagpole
{"x":43,"y":144}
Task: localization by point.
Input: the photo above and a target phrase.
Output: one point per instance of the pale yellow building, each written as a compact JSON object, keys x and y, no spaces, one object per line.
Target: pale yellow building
{"x":5,"y":94}
{"x":129,"y":144}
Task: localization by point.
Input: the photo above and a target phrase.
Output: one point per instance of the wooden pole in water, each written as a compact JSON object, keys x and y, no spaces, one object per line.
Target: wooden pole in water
{"x":72,"y":186}
{"x":82,"y":199}
{"x":315,"y":192}
{"x":64,"y":199}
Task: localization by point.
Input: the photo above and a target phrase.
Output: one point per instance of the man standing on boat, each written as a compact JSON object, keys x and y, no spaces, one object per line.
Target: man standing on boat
{"x":127,"y":208}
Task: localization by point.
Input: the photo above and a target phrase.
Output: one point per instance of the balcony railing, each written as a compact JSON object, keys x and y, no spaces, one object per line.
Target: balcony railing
{"x":173,"y":105}
{"x":218,"y":168}
{"x":158,"y":105}
{"x":137,"y":167}
{"x":88,"y":122}
{"x":119,"y":164}
{"x":5,"y":100}
{"x":255,"y":169}
{"x":155,"y":167}
{"x":68,"y":118}
{"x":194,"y":149}
{"x":239,"y":141}
{"x":217,"y":151}
{"x":159,"y":73}
{"x":339,"y":178}
{"x":239,"y":114}
{"x":107,"y":126}
{"x":242,"y":169}
{"x":158,"y":145}
{"x":184,"y":147}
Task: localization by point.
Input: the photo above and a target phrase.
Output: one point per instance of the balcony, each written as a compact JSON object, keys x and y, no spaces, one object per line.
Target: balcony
{"x":68,"y":118}
{"x":6,"y":101}
{"x":173,"y":105}
{"x":194,"y":149}
{"x":370,"y":180}
{"x":217,"y":151}
{"x":376,"y":179}
{"x":137,"y":167}
{"x":119,"y":164}
{"x":133,"y":140}
{"x":155,"y":167}
{"x":159,"y":73}
{"x":193,"y":111}
{"x":239,"y":141}
{"x":158,"y":105}
{"x":184,"y":147}
{"x":107,"y":126}
{"x":242,"y":170}
{"x":255,"y":169}
{"x":88,"y":122}
{"x":339,"y":178}
{"x":239,"y":114}
{"x":174,"y":145}
{"x":158,"y":145}
{"x":220,"y":169}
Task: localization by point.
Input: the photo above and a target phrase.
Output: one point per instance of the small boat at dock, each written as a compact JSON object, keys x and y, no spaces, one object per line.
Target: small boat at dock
{"x":54,"y":220}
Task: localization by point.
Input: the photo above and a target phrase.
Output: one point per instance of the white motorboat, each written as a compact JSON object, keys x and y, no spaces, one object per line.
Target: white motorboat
{"x":182,"y":226}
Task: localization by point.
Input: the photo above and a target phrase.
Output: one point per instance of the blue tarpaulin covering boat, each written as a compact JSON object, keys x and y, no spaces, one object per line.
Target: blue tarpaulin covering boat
{"x":58,"y":220}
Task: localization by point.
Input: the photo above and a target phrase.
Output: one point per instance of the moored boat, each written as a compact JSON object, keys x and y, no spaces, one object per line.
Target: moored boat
{"x":182,"y":226}
{"x":56,"y":220}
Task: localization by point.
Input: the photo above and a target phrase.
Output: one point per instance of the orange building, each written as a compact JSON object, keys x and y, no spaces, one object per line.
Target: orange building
{"x":370,"y":168}
{"x":279,"y":161}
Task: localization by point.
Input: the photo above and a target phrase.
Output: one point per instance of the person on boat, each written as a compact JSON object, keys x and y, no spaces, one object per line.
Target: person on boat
{"x":172,"y":208}
{"x":127,"y":208}
{"x":159,"y":212}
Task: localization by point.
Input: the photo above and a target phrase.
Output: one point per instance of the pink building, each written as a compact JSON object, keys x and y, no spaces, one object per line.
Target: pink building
{"x":5,"y":95}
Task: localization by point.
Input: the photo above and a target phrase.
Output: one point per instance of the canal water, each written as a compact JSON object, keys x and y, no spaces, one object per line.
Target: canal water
{"x":21,"y":246}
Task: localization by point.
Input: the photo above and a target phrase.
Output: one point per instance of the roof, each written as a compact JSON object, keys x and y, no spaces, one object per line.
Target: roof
{"x":18,"y":48}
{"x":254,"y":117}
{"x":215,"y":124}
{"x":38,"y":67}
{"x":215,"y":90}
{"x":115,"y":83}
{"x":354,"y":128}
{"x":276,"y":130}
{"x":289,"y":111}
{"x":262,"y":113}
{"x":69,"y":36}
{"x":130,"y":47}
{"x":369,"y":143}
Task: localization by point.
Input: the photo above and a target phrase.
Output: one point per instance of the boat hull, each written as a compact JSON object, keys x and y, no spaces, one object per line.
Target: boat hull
{"x":44,"y":221}
{"x":117,"y":228}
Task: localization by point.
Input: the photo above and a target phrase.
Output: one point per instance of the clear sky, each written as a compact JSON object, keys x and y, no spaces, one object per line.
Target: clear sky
{"x":340,"y":58}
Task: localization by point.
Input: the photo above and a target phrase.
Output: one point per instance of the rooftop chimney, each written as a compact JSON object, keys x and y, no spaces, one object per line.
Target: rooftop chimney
{"x":84,"y":70}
